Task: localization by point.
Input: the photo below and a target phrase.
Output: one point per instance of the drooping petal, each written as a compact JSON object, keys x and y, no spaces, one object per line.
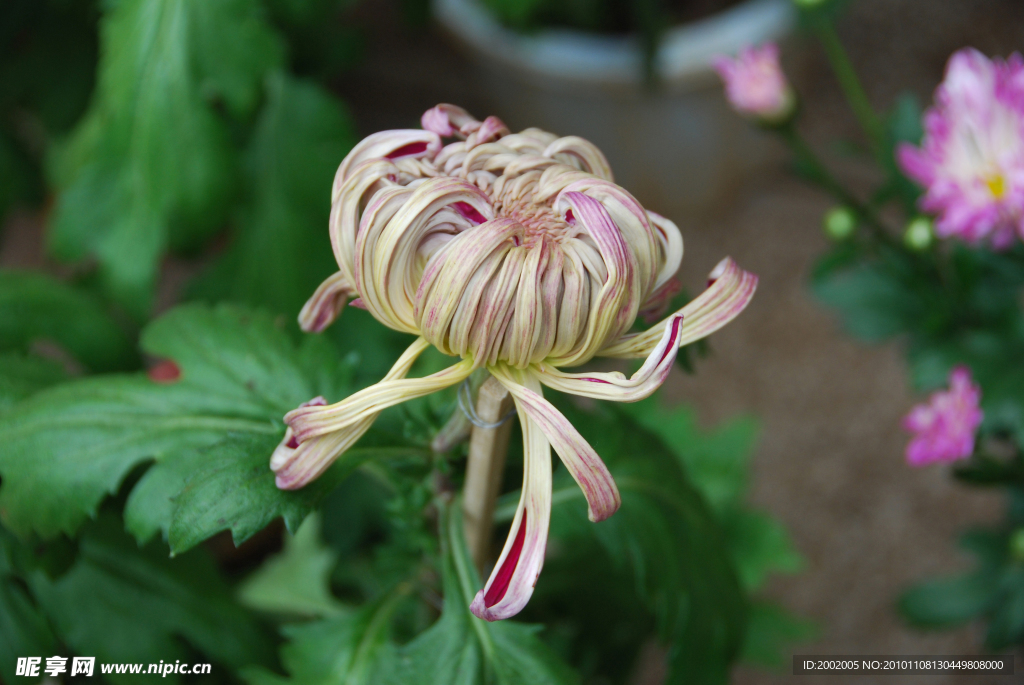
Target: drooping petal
{"x":580,"y":459}
{"x":511,"y":583}
{"x":326,"y":304}
{"x":309,"y":422}
{"x":289,"y":443}
{"x":615,"y":386}
{"x":728,"y":294}
{"x":297,"y":462}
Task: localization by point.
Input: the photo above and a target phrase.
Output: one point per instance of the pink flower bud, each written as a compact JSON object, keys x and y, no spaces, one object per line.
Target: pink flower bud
{"x":755,"y":84}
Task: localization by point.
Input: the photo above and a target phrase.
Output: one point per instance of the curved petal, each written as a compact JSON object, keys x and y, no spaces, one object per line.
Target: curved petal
{"x":310,"y":422}
{"x":729,"y":292}
{"x":511,"y":583}
{"x":583,"y":151}
{"x":615,"y":307}
{"x":326,"y":304}
{"x":384,"y":145}
{"x":296,"y":463}
{"x":580,"y":459}
{"x":614,"y":386}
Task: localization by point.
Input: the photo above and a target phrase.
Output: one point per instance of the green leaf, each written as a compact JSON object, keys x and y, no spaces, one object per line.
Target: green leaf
{"x":716,"y":461}
{"x":760,"y":545}
{"x":281,"y":249}
{"x":667,"y":535}
{"x":355,"y":647}
{"x":770,"y":632}
{"x":125,"y":604}
{"x":24,"y":631}
{"x":949,"y":601}
{"x":344,"y":649}
{"x":68,"y":447}
{"x":296,"y":581}
{"x":461,"y":649}
{"x":22,"y":375}
{"x":34,"y":307}
{"x":151,"y":165}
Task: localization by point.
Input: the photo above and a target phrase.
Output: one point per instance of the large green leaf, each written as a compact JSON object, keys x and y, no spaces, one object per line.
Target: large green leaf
{"x":120,"y":603}
{"x":35,"y":308}
{"x":152,"y":165}
{"x":68,"y":447}
{"x":281,"y":249}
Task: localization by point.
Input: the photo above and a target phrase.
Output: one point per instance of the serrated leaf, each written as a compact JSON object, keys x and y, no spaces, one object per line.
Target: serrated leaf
{"x":151,"y":164}
{"x":281,"y":249}
{"x":124,"y":604}
{"x":22,"y":375}
{"x":68,"y":447}
{"x":35,"y":307}
{"x":297,"y":581}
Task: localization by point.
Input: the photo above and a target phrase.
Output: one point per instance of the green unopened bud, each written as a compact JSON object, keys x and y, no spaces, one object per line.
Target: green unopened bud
{"x":920,"y":234}
{"x":1017,"y":545}
{"x":840,"y":223}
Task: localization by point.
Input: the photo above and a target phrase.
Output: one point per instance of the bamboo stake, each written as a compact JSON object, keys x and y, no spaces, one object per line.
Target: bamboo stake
{"x":484,"y":468}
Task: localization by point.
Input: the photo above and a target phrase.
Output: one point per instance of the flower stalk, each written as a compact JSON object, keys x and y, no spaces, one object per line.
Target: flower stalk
{"x":488,"y":446}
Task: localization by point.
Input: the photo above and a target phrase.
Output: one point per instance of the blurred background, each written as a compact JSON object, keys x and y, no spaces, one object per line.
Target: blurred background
{"x":829,"y":461}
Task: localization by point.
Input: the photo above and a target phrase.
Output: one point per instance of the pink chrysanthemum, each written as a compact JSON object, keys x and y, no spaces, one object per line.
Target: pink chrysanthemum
{"x":755,"y":84}
{"x":944,"y":427}
{"x":971,"y":162}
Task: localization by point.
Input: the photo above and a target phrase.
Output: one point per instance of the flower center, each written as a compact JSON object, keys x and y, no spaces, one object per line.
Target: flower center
{"x":996,"y":185}
{"x":517,"y":200}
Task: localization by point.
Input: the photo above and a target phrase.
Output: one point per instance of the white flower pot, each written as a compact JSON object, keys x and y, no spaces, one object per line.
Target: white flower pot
{"x":678,"y":149}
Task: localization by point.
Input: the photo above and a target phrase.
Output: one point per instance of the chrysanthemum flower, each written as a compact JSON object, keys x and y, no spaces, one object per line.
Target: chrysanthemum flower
{"x":944,"y":428}
{"x":515,"y":253}
{"x":755,"y":84}
{"x":971,"y":162}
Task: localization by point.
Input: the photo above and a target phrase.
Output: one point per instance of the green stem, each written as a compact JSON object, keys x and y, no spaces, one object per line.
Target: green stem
{"x":852,"y":89}
{"x":824,"y":178}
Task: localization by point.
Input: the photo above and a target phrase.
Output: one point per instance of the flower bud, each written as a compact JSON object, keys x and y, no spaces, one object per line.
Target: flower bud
{"x":1017,"y":545}
{"x":839,"y":223}
{"x":756,"y":86}
{"x":920,"y":234}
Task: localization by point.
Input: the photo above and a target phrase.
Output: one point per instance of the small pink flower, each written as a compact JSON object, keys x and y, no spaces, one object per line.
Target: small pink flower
{"x":755,"y":84}
{"x":971,"y":161}
{"x":944,"y":428}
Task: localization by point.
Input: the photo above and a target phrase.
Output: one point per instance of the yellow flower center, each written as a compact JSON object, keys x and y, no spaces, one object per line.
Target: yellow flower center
{"x":996,"y":185}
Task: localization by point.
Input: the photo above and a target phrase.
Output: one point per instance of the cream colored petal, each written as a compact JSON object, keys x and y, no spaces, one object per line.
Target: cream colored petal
{"x":580,"y":459}
{"x":728,"y":295}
